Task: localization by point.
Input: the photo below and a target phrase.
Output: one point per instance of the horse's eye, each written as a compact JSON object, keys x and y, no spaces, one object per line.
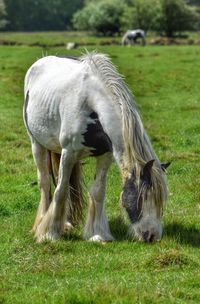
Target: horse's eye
{"x":124,"y":204}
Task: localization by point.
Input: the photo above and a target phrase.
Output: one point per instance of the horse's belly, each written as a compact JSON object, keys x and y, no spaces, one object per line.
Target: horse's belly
{"x":44,"y":128}
{"x":50,"y":142}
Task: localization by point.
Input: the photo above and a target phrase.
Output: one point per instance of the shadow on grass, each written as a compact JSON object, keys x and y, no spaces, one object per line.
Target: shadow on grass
{"x":188,"y":235}
{"x":119,"y":229}
{"x":72,"y":236}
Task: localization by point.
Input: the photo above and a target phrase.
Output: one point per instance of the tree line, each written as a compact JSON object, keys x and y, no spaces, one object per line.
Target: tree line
{"x":102,"y":17}
{"x":38,"y":15}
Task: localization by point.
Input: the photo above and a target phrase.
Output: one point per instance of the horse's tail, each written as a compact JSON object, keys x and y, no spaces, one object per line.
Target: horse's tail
{"x":76,"y":194}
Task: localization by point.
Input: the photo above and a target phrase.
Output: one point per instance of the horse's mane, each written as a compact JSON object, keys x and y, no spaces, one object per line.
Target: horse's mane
{"x":138,"y":149}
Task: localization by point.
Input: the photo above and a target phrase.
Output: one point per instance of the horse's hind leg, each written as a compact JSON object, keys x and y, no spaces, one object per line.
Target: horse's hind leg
{"x":41,"y":158}
{"x":52,"y":224}
{"x":97,"y":227}
{"x":55,"y":164}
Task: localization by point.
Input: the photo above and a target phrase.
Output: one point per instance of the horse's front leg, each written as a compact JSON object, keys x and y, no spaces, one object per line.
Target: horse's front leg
{"x":52,"y":224}
{"x":97,"y":227}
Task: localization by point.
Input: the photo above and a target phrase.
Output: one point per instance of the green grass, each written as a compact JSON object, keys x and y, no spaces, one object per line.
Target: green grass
{"x":50,"y":39}
{"x":166,"y":84}
{"x":54,"y":38}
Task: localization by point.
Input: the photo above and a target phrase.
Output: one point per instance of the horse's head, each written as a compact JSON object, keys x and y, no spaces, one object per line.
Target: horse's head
{"x":143,"y":199}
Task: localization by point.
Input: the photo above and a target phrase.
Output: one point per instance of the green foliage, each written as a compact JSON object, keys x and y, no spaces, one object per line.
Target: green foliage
{"x":102,"y":17}
{"x":127,"y":18}
{"x":81,"y":18}
{"x":193,"y":2}
{"x":40,"y":15}
{"x":143,"y":14}
{"x":109,"y":17}
{"x":196,"y":10}
{"x":176,"y":16}
{"x":3,"y":21}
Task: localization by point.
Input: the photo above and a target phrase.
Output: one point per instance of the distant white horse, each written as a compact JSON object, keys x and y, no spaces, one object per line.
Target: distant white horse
{"x":131,"y":37}
{"x":79,"y":107}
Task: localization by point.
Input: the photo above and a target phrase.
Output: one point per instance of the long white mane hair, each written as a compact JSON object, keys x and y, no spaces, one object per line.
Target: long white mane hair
{"x":137,"y":147}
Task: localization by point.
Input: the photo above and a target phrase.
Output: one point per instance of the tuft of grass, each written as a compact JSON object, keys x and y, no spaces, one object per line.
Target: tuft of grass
{"x":171,"y":257}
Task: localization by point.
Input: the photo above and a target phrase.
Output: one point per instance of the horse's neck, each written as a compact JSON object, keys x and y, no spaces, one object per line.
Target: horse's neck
{"x":118,"y":114}
{"x":137,"y":150}
{"x":131,"y":145}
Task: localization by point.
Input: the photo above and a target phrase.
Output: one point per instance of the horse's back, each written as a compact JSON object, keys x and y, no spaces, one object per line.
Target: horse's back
{"x":68,"y":102}
{"x":50,"y":68}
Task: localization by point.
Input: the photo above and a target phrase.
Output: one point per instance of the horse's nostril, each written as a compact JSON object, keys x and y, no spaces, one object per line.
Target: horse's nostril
{"x":151,"y":238}
{"x":148,"y":237}
{"x":145,"y":236}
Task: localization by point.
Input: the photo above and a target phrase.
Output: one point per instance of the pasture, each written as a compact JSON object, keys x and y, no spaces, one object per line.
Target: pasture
{"x":166,"y":85}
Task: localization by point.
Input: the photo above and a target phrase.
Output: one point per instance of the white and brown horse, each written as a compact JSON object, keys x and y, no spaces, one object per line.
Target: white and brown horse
{"x":80,"y":107}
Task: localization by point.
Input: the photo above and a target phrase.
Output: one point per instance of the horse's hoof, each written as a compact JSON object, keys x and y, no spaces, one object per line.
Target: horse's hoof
{"x":68,"y":226}
{"x":32,"y":231}
{"x":98,"y":238}
{"x":52,"y":237}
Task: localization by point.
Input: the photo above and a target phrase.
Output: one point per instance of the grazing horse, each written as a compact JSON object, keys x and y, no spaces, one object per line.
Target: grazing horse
{"x":80,"y":107}
{"x":131,"y":37}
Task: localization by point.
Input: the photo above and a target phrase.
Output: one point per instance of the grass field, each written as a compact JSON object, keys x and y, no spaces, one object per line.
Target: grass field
{"x":166,"y":84}
{"x":55,"y":39}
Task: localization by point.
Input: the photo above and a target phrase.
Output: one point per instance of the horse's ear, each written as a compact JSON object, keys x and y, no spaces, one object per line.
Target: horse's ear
{"x":165,"y":166}
{"x":146,"y":172}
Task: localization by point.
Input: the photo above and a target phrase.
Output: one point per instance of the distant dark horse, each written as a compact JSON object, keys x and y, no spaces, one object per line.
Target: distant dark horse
{"x":131,"y":37}
{"x":80,"y":107}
